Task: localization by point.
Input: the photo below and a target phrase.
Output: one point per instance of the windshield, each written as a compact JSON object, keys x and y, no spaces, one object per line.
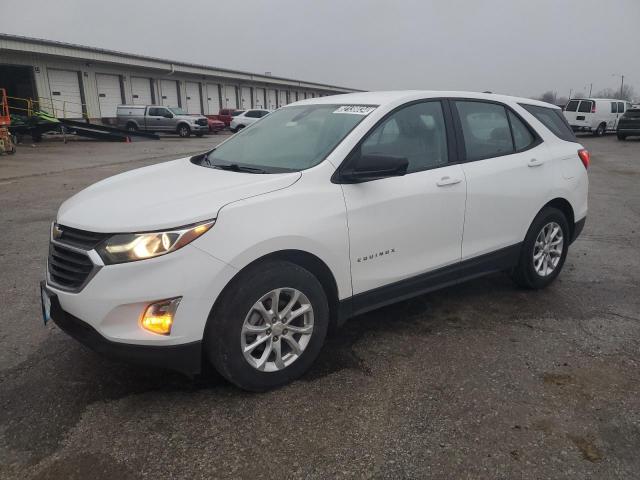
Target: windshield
{"x":178,"y":111}
{"x":289,"y":139}
{"x":236,"y":113}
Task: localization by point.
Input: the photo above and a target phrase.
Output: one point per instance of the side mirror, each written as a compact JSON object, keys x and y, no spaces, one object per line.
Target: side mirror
{"x":366,"y":168}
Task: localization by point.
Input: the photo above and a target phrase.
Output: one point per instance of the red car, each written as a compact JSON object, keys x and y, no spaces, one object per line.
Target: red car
{"x":215,"y":126}
{"x":226,"y":114}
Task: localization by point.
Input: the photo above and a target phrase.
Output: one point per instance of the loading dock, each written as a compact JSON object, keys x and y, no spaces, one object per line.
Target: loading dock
{"x":194,"y":99}
{"x":110,"y":94}
{"x":66,"y":93}
{"x":169,"y":93}
{"x":141,"y":92}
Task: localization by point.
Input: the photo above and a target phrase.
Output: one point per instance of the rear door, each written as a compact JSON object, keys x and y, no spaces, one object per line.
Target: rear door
{"x":109,"y":94}
{"x":402,"y":227}
{"x":507,"y":172}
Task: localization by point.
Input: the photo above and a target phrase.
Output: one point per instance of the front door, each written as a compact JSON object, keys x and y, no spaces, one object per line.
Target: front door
{"x":401,"y":227}
{"x":158,"y":121}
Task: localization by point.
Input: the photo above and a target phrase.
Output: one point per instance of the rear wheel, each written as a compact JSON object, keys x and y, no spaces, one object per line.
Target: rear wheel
{"x":544,"y":250}
{"x":132,"y":127}
{"x":601,"y":130}
{"x":184,"y":131}
{"x":268,"y":326}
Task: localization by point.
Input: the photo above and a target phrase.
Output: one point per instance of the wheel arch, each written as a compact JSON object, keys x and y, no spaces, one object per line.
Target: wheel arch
{"x":565,"y":207}
{"x":308,"y":261}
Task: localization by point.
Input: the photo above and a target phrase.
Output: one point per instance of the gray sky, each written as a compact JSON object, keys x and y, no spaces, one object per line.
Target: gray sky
{"x":521,"y":47}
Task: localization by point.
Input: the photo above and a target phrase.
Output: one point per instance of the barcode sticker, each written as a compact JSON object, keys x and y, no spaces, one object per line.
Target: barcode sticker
{"x":355,"y":109}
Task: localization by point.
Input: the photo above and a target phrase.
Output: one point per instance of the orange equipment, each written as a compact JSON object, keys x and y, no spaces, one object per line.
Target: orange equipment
{"x":6,"y":143}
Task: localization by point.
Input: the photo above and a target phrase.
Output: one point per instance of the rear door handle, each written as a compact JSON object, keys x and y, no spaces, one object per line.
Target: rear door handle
{"x":444,"y":181}
{"x":534,"y":162}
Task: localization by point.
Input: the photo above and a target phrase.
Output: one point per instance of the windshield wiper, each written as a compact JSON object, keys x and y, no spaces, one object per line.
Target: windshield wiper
{"x":234,"y":167}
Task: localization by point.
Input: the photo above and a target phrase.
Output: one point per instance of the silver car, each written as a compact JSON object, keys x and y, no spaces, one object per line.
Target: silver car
{"x":158,"y":118}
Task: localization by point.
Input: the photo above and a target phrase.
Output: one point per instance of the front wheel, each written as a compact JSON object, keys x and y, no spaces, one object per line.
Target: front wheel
{"x":544,"y":250}
{"x":184,"y":131}
{"x":268,"y":326}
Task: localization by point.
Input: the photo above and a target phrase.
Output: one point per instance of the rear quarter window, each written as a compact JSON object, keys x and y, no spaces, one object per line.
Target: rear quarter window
{"x":572,"y":106}
{"x":553,"y":119}
{"x":585,"y":106}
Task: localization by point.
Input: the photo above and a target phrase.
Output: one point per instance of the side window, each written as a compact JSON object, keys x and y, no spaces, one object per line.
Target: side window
{"x":553,"y":119}
{"x":416,"y":132}
{"x":614,"y":107}
{"x":485,"y":129}
{"x":522,"y":136}
{"x":252,"y":114}
{"x":153,"y":112}
{"x":620,"y":107}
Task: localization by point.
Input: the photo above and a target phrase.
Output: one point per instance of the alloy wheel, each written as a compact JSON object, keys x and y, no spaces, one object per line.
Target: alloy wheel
{"x":547,"y":249}
{"x":277,"y":329}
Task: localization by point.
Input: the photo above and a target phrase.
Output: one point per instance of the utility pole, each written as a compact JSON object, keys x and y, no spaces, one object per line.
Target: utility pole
{"x":590,"y":88}
{"x":621,"y":82}
{"x":570,"y":92}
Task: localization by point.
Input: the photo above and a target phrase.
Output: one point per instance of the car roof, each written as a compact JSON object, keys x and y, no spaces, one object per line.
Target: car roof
{"x":399,"y":96}
{"x":600,"y":99}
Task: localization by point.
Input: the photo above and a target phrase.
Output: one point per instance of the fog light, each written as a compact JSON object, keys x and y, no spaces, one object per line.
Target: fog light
{"x":158,"y":316}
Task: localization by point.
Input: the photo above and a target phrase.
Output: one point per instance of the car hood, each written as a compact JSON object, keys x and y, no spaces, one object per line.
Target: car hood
{"x":165,"y":195}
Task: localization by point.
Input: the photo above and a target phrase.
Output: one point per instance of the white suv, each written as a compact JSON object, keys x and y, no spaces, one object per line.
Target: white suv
{"x":246,"y":118}
{"x":329,"y":207}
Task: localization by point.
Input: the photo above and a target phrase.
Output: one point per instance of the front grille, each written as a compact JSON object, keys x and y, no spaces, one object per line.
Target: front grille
{"x":78,"y":238}
{"x":202,"y":122}
{"x":68,"y":268}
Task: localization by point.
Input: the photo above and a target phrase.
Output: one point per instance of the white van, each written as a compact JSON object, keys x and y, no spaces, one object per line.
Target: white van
{"x":595,"y":115}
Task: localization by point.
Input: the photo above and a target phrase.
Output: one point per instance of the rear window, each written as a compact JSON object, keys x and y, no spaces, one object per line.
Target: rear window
{"x":585,"y":106}
{"x":572,"y":106}
{"x":552,"y":119}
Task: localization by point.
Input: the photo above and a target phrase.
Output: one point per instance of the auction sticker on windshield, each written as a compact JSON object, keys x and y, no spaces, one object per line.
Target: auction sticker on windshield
{"x":355,"y":109}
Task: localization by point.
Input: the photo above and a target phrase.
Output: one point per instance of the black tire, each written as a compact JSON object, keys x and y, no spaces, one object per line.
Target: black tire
{"x":621,"y":136}
{"x":222,"y":339}
{"x":525,"y":274}
{"x":184,"y":131}
{"x":233,"y":130}
{"x":132,"y":127}
{"x":601,"y":130}
{"x":240,"y":127}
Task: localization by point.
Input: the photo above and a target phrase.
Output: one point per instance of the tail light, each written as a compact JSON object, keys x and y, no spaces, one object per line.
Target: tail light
{"x":593,"y":107}
{"x":585,"y":157}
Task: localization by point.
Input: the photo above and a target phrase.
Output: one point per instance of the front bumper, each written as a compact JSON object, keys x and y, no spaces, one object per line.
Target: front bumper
{"x":199,"y":128}
{"x":185,"y":358}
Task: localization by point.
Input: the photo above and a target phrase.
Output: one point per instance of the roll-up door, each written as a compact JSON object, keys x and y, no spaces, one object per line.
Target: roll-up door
{"x":169,"y":93}
{"x":65,"y":93}
{"x":141,"y":91}
{"x":272,"y":102}
{"x":245,"y":98}
{"x":109,"y":94}
{"x":229,"y":99}
{"x":213,"y":99}
{"x":258,"y":98}
{"x":194,"y":102}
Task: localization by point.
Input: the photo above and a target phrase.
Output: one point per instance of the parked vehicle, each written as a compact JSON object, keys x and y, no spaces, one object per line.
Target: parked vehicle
{"x":226,"y":115}
{"x":629,"y":124}
{"x":595,"y":115}
{"x":215,"y":126}
{"x":246,"y":118}
{"x":157,"y":118}
{"x":327,"y":208}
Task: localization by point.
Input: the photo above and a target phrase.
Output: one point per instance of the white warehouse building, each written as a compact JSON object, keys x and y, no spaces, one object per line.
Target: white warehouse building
{"x":75,"y":81}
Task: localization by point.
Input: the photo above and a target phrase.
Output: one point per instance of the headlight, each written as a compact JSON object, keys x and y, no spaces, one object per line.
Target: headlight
{"x":129,"y":247}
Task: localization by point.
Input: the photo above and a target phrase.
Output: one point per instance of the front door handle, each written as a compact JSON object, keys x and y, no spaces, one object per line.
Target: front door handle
{"x":444,"y":181}
{"x":534,"y":162}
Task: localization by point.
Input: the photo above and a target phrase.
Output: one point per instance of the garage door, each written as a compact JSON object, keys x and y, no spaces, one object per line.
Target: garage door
{"x":64,"y":86}
{"x":271,"y":99}
{"x":292,"y":96}
{"x":194,"y":104}
{"x":109,"y":94}
{"x":141,"y":91}
{"x":282,"y":98}
{"x":213,"y":99}
{"x":169,"y":93}
{"x":229,"y":97}
{"x":245,"y":98}
{"x":258,"y":98}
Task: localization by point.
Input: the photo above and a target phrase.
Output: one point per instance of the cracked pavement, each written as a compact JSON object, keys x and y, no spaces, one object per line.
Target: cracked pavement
{"x":480,"y":380}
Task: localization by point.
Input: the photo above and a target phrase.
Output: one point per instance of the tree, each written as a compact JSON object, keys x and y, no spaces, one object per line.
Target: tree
{"x":627,"y":93}
{"x":548,"y":96}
